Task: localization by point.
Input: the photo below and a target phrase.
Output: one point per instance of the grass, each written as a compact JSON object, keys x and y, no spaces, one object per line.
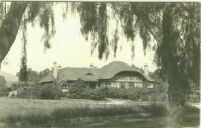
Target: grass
{"x":87,"y":114}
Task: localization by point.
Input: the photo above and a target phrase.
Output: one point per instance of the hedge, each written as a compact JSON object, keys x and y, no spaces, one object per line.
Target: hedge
{"x":39,"y":92}
{"x":80,"y":90}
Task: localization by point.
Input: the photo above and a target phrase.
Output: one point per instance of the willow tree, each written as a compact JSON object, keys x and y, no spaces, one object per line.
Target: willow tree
{"x":174,"y":26}
{"x":17,"y":17}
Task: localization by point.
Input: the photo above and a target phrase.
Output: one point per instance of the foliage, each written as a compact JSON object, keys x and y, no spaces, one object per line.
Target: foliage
{"x":10,"y":26}
{"x":14,"y":86}
{"x":39,"y":92}
{"x":23,"y":67}
{"x":44,"y":73}
{"x":2,"y":81}
{"x":194,"y":96}
{"x":23,"y":70}
{"x":171,"y":25}
{"x":79,"y":90}
{"x":159,"y":92}
{"x":3,"y":89}
{"x":135,"y":94}
{"x":95,"y":94}
{"x":34,"y":76}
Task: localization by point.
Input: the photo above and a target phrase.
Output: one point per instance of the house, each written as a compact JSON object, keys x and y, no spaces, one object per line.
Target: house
{"x":116,"y":74}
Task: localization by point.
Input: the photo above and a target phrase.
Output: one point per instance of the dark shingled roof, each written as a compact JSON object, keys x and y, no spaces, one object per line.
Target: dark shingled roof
{"x":86,"y":74}
{"x":110,"y":70}
{"x":94,"y":74}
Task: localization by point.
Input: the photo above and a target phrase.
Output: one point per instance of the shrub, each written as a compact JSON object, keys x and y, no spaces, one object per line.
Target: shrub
{"x":96,"y":94}
{"x":79,"y":90}
{"x":40,"y":92}
{"x":3,"y":88}
{"x":159,"y":92}
{"x":194,"y":96}
{"x":134,"y":94}
{"x":4,"y":91}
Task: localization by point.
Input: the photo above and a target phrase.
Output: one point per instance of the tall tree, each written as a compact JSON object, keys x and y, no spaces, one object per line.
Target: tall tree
{"x":23,"y":75}
{"x":10,"y":26}
{"x":2,"y":82}
{"x":34,"y":76}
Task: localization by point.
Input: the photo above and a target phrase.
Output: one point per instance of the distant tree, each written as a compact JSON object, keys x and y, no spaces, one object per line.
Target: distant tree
{"x":2,"y":81}
{"x":3,"y":89}
{"x":44,"y":73}
{"x":23,"y":67}
{"x":34,"y":76}
{"x":23,"y":75}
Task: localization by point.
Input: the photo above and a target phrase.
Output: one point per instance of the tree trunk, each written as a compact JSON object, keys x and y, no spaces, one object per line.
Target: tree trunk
{"x":10,"y":27}
{"x":178,"y":85}
{"x":176,"y":92}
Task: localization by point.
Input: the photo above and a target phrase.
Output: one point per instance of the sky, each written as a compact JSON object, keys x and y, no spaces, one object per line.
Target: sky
{"x":69,"y":48}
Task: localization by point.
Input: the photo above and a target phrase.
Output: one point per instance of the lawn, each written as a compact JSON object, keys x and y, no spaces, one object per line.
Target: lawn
{"x":72,"y":113}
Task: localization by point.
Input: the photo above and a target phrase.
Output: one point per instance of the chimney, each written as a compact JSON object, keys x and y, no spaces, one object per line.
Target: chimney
{"x":146,"y":70}
{"x":54,"y":70}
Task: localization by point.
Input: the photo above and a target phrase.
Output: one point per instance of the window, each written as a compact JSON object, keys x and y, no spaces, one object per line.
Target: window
{"x":124,"y":85}
{"x":138,"y":85}
{"x":150,"y":85}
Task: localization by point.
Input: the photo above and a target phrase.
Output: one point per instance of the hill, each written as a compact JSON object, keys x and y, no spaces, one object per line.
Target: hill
{"x":9,"y":77}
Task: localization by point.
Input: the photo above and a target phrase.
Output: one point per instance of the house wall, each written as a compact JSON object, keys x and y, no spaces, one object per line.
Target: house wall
{"x":125,"y":80}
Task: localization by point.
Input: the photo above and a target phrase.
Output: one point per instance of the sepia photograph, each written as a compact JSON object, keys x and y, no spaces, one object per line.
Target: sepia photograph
{"x":100,"y":64}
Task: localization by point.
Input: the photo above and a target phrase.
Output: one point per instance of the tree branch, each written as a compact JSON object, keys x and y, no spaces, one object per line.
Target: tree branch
{"x":10,"y":27}
{"x":144,"y":20}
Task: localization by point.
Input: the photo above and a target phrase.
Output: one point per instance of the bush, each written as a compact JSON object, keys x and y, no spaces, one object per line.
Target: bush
{"x":15,"y":86}
{"x":4,"y":91}
{"x":135,"y":94}
{"x":39,"y":92}
{"x":79,"y":90}
{"x":159,"y":92}
{"x":96,"y":94}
